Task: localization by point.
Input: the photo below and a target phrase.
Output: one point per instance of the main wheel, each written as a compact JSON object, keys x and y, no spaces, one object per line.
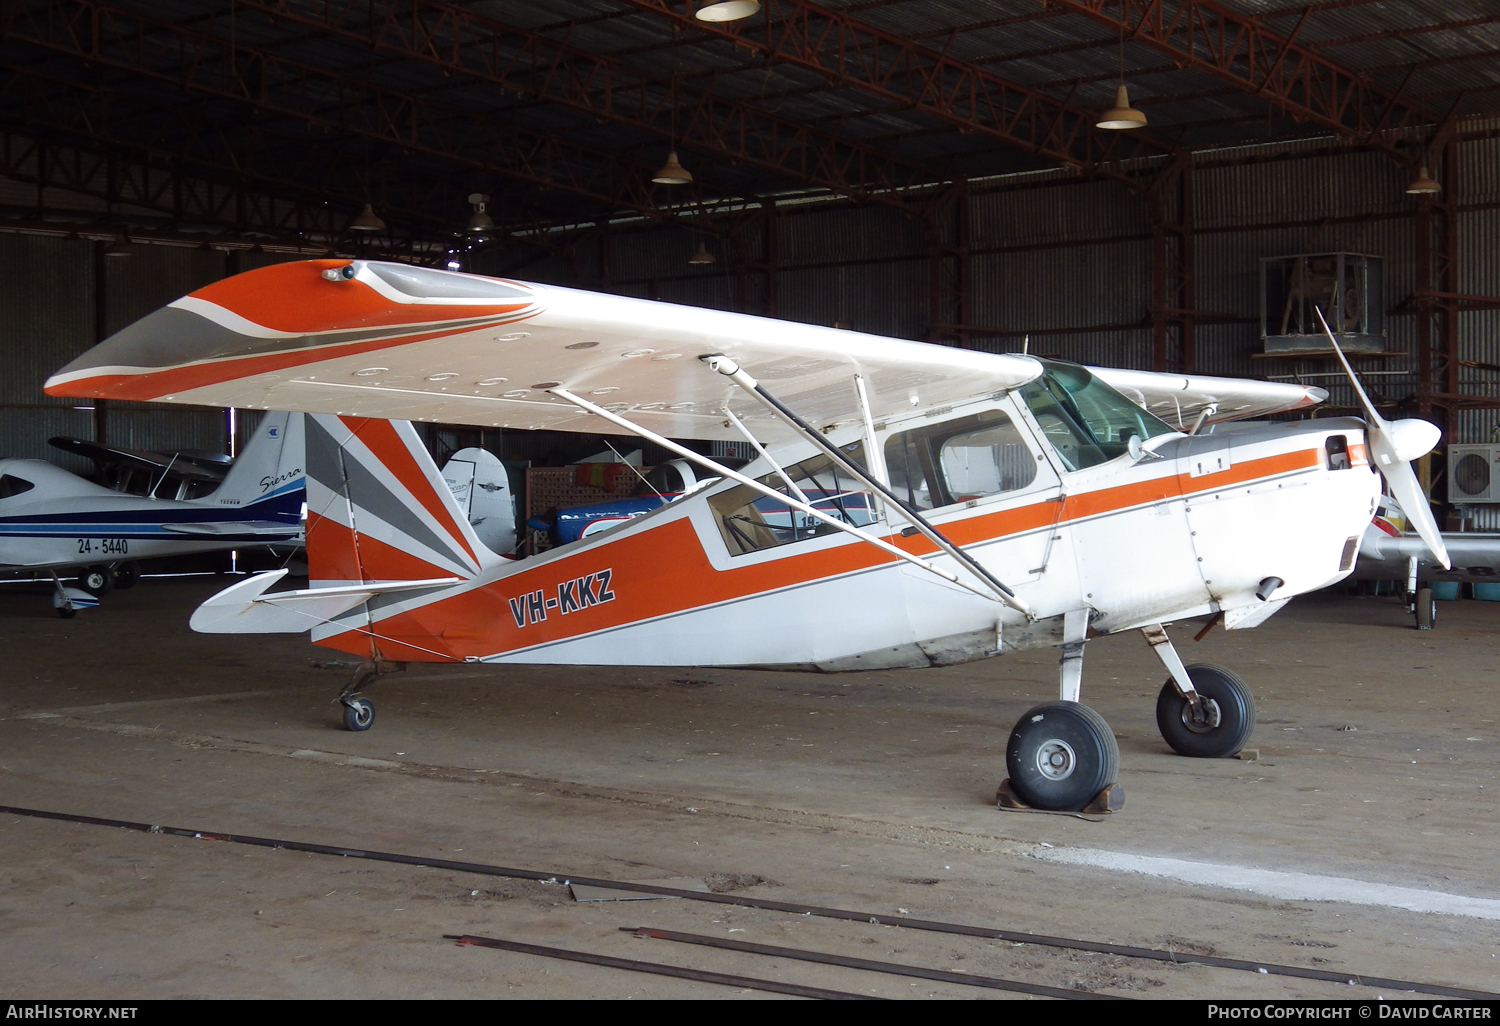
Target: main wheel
{"x":1426,"y":609}
{"x":126,"y":574}
{"x":1223,"y":721}
{"x":97,"y":580}
{"x":1060,"y":756}
{"x":359,"y":714}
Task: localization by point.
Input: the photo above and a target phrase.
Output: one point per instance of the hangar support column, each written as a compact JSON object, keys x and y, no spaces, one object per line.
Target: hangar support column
{"x":1169,"y":201}
{"x":1436,"y":292}
{"x":752,"y":248}
{"x":946,"y":221}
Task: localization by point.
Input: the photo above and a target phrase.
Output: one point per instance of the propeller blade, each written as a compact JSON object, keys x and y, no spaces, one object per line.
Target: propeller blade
{"x":1404,"y":485}
{"x":1371,"y":414}
{"x":1392,"y":446}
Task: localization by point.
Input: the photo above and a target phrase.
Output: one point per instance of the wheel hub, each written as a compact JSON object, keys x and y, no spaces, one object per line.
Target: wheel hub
{"x":1055,"y":759}
{"x":1203,"y":717}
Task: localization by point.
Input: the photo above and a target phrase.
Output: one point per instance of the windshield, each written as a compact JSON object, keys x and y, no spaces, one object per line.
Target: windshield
{"x":1085,"y":420}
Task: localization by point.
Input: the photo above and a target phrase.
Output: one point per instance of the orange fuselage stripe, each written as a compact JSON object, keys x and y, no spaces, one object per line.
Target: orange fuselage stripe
{"x":665,"y":570}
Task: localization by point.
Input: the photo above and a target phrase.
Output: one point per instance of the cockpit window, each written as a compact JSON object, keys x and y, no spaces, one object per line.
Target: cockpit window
{"x":958,"y":460}
{"x":1084,"y":419}
{"x":12,"y":485}
{"x":751,"y":521}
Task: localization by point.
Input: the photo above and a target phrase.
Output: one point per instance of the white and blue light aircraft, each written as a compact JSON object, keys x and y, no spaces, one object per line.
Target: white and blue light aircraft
{"x":51,"y":519}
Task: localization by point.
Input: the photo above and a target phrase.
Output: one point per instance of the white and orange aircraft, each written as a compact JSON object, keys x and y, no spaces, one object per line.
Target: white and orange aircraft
{"x":912,"y":504}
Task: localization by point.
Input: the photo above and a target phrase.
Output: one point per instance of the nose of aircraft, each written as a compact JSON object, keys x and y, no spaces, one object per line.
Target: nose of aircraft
{"x":1394,"y":446}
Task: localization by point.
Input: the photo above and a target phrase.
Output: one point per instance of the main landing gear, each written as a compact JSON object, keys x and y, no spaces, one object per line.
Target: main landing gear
{"x":1062,"y":756}
{"x":1419,"y":600}
{"x":359,"y":712}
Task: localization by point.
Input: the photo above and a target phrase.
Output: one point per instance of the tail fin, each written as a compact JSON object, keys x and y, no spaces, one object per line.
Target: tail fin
{"x":378,"y":510}
{"x":266,"y":481}
{"x":481,"y":487}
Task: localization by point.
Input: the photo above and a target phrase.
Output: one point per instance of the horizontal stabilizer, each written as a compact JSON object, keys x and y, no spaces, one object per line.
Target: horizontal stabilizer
{"x":237,"y":529}
{"x":245,"y":608}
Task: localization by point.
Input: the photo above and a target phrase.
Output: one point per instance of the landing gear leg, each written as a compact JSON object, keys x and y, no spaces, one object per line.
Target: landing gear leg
{"x":1204,"y":711}
{"x":359,"y":712}
{"x":1062,"y":756}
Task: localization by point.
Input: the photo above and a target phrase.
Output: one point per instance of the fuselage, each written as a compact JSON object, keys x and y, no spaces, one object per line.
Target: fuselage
{"x":52,"y":518}
{"x":714,"y":579}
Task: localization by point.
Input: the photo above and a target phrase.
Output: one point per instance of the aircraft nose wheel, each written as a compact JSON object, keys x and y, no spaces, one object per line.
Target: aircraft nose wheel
{"x":1060,"y":756}
{"x":359,"y":714}
{"x":1222,"y":722}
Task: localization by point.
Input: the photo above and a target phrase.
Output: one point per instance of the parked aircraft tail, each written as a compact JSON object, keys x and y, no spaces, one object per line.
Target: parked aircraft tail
{"x":385,"y":536}
{"x":266,"y":481}
{"x":378,"y":510}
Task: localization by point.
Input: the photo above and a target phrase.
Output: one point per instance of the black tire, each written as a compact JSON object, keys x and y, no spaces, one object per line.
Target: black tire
{"x":1224,"y":695}
{"x":66,"y":612}
{"x":359,"y":714}
{"x":1426,"y":609}
{"x":126,"y":574}
{"x":1060,"y":756}
{"x":97,"y":580}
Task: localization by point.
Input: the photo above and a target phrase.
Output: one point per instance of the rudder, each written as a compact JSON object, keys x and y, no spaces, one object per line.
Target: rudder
{"x":378,"y":510}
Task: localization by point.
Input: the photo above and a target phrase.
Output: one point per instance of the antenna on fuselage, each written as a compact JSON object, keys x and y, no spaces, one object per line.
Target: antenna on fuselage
{"x":1025,"y":345}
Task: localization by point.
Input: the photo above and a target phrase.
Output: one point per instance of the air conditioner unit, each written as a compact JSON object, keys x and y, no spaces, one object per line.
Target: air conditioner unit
{"x":1473,"y":473}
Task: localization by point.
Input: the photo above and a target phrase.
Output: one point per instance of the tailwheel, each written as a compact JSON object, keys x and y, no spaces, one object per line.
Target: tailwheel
{"x":1426,"y":609}
{"x":1060,"y":756}
{"x":359,"y":713}
{"x":1221,"y":722}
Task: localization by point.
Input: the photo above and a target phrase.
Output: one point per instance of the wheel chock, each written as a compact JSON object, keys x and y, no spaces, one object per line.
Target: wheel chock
{"x":1107,"y":801}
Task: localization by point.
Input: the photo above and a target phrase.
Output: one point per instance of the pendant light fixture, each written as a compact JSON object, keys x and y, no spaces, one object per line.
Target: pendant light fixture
{"x":1122,"y":115}
{"x":479,"y":221}
{"x":727,"y":10}
{"x":118,"y":247}
{"x":367,"y":221}
{"x":672,"y":173}
{"x":1423,"y":185}
{"x":703,"y":256}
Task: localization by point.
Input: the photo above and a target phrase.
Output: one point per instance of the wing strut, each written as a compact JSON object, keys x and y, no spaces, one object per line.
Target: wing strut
{"x":731,"y":370}
{"x":1002,"y":595}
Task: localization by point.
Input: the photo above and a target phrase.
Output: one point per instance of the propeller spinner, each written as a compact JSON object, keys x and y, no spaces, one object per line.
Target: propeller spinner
{"x":1393,"y":445}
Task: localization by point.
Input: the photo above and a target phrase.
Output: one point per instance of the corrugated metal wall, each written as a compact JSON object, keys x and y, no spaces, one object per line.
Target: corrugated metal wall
{"x":51,"y":310}
{"x":1068,"y":260}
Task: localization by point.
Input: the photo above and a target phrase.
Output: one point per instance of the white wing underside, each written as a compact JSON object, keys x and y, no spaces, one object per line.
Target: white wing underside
{"x":637,"y":358}
{"x":1178,"y":398}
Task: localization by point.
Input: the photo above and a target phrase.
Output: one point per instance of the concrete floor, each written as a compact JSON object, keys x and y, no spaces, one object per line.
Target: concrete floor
{"x":1375,"y":788}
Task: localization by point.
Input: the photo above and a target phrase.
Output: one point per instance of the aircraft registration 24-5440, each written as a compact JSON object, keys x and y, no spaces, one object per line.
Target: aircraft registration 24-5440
{"x":911,"y":504}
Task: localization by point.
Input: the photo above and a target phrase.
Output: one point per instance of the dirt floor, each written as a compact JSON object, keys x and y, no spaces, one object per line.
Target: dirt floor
{"x":1374,"y":794}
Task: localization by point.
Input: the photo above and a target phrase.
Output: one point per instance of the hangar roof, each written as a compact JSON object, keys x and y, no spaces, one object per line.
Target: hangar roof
{"x":560,"y":110}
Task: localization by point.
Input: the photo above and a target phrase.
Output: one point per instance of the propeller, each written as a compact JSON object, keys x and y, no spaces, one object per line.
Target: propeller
{"x":1393,"y":445}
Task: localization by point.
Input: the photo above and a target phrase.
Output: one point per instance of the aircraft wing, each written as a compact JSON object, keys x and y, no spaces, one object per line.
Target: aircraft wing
{"x":399,"y":342}
{"x":151,"y":461}
{"x":1475,"y":557}
{"x":1179,"y":398}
